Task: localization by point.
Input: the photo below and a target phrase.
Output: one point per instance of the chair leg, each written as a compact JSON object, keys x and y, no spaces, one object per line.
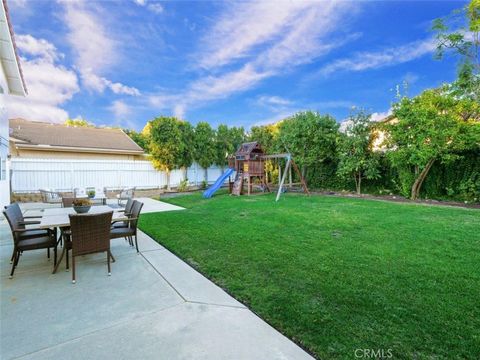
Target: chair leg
{"x":55,"y":255}
{"x":66,"y":260}
{"x":73,"y":269}
{"x":111,"y":256}
{"x":15,"y":262}
{"x":108,"y":262}
{"x":13,"y":254}
{"x":136,"y":243}
{"x":48,"y":253}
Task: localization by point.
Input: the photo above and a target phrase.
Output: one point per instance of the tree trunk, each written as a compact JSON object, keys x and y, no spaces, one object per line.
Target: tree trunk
{"x":417,"y":185}
{"x":205,"y":175}
{"x":184,"y":170}
{"x":359,"y":183}
{"x":168,"y":179}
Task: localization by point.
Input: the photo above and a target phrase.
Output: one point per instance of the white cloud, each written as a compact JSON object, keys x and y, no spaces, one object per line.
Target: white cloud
{"x":154,"y":7}
{"x":265,"y":100}
{"x":95,"y":49}
{"x":378,"y":59}
{"x":282,"y":37}
{"x":37,"y":47}
{"x":120,"y":109}
{"x":49,"y":85}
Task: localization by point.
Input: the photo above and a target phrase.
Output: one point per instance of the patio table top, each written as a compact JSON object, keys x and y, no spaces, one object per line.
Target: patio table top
{"x":58,"y":217}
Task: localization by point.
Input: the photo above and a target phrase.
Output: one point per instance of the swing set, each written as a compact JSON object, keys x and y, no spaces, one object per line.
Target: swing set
{"x":249,"y":163}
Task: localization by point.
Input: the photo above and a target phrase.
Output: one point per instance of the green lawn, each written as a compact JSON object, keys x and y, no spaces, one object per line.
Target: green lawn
{"x":337,"y":274}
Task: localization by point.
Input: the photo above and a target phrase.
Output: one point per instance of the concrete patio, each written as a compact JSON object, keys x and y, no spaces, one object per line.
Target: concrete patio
{"x":154,"y":306}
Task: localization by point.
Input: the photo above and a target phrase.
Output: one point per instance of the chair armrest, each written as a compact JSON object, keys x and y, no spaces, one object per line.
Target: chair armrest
{"x":30,"y":229}
{"x":29,"y":222}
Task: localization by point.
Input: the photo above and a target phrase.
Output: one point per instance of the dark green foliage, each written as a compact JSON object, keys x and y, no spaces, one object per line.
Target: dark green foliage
{"x":356,"y":160}
{"x":185,"y":156}
{"x":227,"y":141}
{"x":455,"y":181}
{"x":337,"y":274}
{"x":311,"y":138}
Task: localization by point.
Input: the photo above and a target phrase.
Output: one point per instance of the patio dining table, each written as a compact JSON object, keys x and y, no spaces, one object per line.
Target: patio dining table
{"x":59,"y":218}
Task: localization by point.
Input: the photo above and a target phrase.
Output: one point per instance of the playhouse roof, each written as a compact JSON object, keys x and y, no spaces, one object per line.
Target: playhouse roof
{"x":248,"y":148}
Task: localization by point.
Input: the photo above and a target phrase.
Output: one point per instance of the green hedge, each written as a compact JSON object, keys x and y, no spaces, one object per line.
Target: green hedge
{"x":456,"y":181}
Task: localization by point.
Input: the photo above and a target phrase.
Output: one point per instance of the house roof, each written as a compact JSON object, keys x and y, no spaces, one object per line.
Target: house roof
{"x":9,"y":55}
{"x":58,"y":137}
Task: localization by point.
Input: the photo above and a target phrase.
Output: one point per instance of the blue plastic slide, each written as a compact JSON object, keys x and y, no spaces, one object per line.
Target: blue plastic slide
{"x":218,"y":184}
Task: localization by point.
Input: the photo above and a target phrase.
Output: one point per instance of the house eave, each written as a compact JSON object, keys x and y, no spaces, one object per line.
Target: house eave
{"x":41,"y":147}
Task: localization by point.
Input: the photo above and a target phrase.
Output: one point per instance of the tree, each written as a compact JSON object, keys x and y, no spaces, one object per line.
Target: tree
{"x":223,"y":145}
{"x":78,"y":123}
{"x":204,"y":146}
{"x":434,"y":126}
{"x":310,"y":137}
{"x":356,"y":159}
{"x":165,"y":144}
{"x":237,"y":137}
{"x":465,"y":43}
{"x":185,"y":153}
{"x":227,"y":141}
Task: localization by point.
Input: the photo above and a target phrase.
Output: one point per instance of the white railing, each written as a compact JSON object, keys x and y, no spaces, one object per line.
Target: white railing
{"x":31,"y":174}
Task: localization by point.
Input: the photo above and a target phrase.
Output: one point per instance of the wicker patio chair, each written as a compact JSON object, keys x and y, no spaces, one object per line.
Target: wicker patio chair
{"x":125,"y":194}
{"x":22,"y":222}
{"x":67,"y":202}
{"x":127,"y":211}
{"x":90,"y":233}
{"x":50,"y":197}
{"x":28,"y":239}
{"x":131,"y":230}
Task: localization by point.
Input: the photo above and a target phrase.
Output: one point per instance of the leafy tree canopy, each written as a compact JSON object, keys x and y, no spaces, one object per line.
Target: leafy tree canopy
{"x":165,"y":142}
{"x":310,"y":137}
{"x":465,"y":43}
{"x":434,"y":126}
{"x":204,"y":144}
{"x":356,"y":158}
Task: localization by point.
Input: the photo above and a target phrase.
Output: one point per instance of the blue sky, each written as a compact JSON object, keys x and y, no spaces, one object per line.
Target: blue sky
{"x":122,"y":63}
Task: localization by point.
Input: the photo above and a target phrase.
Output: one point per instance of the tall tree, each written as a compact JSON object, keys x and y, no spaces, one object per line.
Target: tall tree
{"x":356,"y":160}
{"x":310,"y":137}
{"x":434,"y":126}
{"x":185,"y":154}
{"x":237,"y":137}
{"x":223,"y":145}
{"x":165,"y":144}
{"x":204,"y":146}
{"x":227,"y":141}
{"x":464,"y":42}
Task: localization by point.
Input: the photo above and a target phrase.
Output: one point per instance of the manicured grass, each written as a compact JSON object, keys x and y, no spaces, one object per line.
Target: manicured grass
{"x":337,"y":274}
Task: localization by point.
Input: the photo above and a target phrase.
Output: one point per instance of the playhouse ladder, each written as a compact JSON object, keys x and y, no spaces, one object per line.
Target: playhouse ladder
{"x":238,"y":184}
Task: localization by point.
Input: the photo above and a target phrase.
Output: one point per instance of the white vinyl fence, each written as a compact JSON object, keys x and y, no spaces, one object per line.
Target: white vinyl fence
{"x":30,"y":175}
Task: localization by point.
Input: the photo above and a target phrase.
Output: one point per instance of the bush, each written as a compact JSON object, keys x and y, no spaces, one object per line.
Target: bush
{"x":183,"y":186}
